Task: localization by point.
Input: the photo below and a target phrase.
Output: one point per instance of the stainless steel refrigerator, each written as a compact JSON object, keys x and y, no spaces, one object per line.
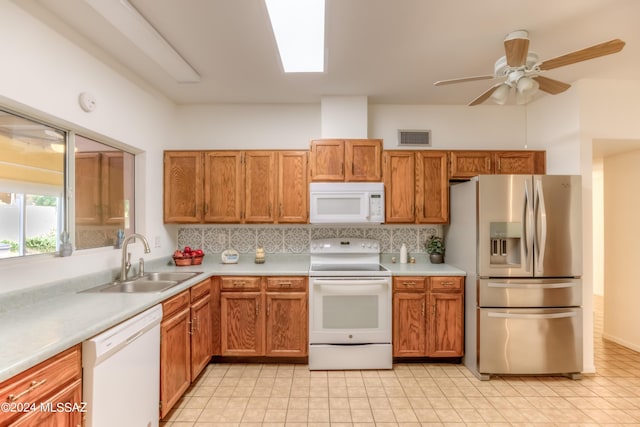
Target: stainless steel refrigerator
{"x":519,"y":239}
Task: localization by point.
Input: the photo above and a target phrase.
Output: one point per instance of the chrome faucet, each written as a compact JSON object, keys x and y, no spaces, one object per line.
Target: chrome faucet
{"x":126,"y":256}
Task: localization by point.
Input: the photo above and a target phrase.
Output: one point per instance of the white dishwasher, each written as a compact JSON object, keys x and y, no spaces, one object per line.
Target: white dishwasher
{"x":121,"y":373}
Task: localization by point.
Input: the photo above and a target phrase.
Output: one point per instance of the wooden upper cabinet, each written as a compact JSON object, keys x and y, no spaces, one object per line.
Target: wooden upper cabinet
{"x":223,"y":186}
{"x":346,"y":160}
{"x":260,"y":186}
{"x":182,"y":186}
{"x":467,"y":164}
{"x":293,"y":187}
{"x":519,"y":162}
{"x":432,"y":187}
{"x":327,"y":160}
{"x":363,"y":160}
{"x":113,"y":185}
{"x":88,"y":203}
{"x":399,"y":185}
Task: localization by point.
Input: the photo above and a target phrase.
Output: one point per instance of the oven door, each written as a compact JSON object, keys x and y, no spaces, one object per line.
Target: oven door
{"x":349,"y":310}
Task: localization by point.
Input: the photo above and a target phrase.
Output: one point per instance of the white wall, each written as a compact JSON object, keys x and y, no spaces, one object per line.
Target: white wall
{"x":42,"y":76}
{"x":241,"y":126}
{"x":622,"y":230}
{"x":452,"y":127}
{"x":597,"y":183}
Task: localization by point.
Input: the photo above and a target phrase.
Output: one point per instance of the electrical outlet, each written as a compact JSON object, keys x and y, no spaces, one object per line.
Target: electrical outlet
{"x":157,"y":242}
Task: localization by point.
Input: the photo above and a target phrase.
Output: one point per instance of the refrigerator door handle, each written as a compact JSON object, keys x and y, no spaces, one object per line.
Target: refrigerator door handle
{"x":532,"y":315}
{"x":541,"y":226}
{"x":532,"y":285}
{"x":527,"y":228}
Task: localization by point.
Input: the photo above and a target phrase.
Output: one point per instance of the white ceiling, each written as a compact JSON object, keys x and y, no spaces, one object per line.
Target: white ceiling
{"x":389,"y":50}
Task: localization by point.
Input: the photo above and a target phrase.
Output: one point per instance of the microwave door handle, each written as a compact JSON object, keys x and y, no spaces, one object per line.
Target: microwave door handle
{"x":367,"y":208}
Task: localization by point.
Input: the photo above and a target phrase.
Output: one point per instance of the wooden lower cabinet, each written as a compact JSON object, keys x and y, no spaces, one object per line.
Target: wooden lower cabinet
{"x":428,"y":316}
{"x":186,"y":340}
{"x":261,"y":316}
{"x":57,"y":380}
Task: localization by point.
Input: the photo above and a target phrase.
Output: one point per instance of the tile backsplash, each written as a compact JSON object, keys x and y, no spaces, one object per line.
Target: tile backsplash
{"x":296,"y":238}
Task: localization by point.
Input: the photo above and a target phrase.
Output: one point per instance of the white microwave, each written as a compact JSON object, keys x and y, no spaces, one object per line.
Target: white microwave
{"x":346,"y":202}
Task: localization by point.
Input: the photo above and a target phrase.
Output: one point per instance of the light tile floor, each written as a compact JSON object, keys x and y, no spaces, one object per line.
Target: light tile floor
{"x":413,"y":395}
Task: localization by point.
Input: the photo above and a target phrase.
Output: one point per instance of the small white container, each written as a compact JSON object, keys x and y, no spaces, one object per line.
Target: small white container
{"x":403,"y":254}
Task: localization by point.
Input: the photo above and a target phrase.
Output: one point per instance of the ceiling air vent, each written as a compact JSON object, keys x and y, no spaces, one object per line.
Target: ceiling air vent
{"x":414,"y":137}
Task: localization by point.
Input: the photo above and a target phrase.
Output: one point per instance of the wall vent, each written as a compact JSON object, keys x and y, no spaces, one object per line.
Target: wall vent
{"x":414,"y":137}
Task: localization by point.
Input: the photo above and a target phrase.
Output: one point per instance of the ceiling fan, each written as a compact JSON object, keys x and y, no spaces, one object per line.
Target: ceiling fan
{"x":520,"y":69}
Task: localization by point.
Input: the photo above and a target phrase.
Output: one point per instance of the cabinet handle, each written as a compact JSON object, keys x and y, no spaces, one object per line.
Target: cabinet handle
{"x":447,"y":283}
{"x":268,"y":309}
{"x":286,"y":284}
{"x":238,"y":284}
{"x":409,"y":284}
{"x":280,"y":210}
{"x":196,"y":321}
{"x":34,"y":385}
{"x":488,"y":163}
{"x":498,"y":165}
{"x":433,"y":308}
{"x":257,"y":308}
{"x":190,"y":327}
{"x":423,"y":306}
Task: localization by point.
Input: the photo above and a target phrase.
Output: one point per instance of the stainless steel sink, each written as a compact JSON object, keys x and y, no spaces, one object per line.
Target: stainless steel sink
{"x":150,"y":282}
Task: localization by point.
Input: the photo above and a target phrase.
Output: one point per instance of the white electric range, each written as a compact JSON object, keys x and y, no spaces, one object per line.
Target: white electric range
{"x":349,"y":306}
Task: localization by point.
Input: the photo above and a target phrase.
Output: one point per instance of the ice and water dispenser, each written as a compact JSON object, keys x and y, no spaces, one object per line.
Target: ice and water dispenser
{"x":504,"y":239}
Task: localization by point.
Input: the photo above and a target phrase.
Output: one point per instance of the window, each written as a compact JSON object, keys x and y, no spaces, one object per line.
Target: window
{"x":34,"y":167}
{"x":32,"y":176}
{"x":103,"y":193}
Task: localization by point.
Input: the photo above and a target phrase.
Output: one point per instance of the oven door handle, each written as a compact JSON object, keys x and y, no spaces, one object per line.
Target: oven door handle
{"x":348,"y":282}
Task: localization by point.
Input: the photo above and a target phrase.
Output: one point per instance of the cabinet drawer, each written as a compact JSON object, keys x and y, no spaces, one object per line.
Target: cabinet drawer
{"x":446,"y":283}
{"x":409,"y":283}
{"x":175,"y":303}
{"x":200,"y":290}
{"x":239,"y":283}
{"x":38,"y":383}
{"x":287,"y":283}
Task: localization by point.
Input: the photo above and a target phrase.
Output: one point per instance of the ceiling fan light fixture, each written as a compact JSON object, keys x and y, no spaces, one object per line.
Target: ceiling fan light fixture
{"x":525,"y":89}
{"x":500,"y":95}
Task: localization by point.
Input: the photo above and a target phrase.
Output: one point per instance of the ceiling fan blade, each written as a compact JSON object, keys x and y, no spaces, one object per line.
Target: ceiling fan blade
{"x":463,"y":79}
{"x":551,"y":86}
{"x":602,"y":49}
{"x":516,"y":48}
{"x":485,"y":95}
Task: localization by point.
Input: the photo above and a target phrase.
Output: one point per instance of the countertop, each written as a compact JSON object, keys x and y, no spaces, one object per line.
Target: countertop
{"x":51,"y":322}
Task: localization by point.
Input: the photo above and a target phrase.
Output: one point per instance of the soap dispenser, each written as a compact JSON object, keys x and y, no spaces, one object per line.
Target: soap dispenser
{"x":403,"y":254}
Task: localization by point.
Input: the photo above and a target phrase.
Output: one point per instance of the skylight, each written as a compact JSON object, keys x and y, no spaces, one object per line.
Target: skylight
{"x":298,"y":26}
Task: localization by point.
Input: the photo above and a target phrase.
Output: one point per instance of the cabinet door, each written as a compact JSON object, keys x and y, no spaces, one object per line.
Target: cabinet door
{"x":241,"y":324}
{"x":201,"y":335}
{"x":519,"y":162}
{"x":327,"y":160}
{"x":70,"y":395}
{"x":286,"y":328}
{"x":467,"y":164}
{"x":175,"y":358}
{"x":260,"y":186}
{"x":113,"y":187}
{"x":409,"y":324}
{"x":182,"y":187}
{"x":445,"y":324}
{"x":223,"y":186}
{"x":432,"y":187}
{"x":363,"y":160}
{"x":293,"y":187}
{"x":399,"y":185}
{"x":88,"y":200}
